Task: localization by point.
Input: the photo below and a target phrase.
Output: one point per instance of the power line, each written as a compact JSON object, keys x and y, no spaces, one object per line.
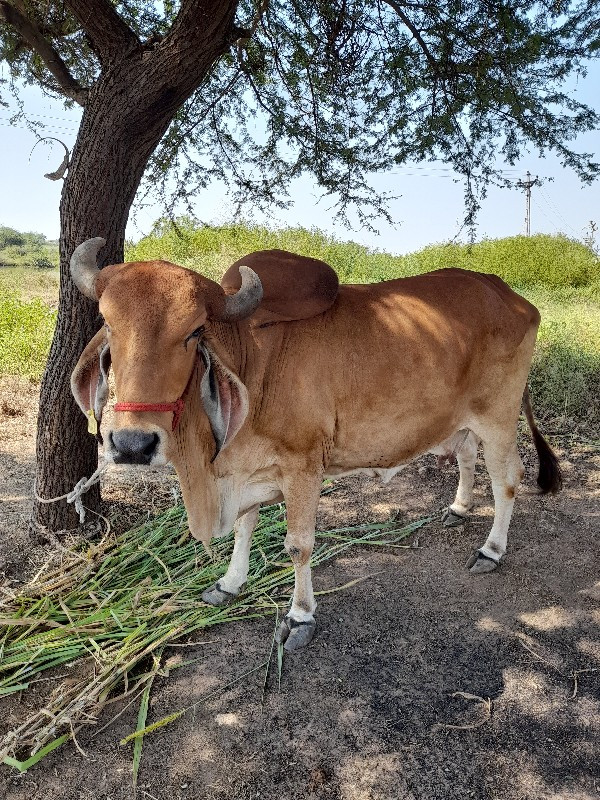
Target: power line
{"x":44,"y":130}
{"x":46,"y":116}
{"x":556,"y":212}
{"x":449,"y":168}
{"x":551,"y":221}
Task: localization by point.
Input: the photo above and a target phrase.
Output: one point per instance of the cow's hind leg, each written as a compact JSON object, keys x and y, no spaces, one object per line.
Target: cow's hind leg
{"x":228,"y":587}
{"x":302,"y":499}
{"x":506,"y":471}
{"x":466,"y":456}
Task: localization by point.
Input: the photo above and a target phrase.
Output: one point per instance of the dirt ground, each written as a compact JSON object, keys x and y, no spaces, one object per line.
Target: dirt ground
{"x":372,"y":709}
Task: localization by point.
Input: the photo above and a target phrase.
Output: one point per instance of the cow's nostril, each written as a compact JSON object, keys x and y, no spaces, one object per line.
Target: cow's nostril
{"x":151,"y":446}
{"x":133,"y":447}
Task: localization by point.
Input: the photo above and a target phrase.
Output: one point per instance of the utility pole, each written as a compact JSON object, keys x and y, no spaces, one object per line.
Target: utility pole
{"x":527,"y":186}
{"x":590,"y":238}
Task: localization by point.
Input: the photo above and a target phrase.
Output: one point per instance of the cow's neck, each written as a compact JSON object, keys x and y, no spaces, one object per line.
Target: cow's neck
{"x":209,"y":497}
{"x":212,"y":493}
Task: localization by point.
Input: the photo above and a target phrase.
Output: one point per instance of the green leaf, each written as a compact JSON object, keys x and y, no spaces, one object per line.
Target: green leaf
{"x":23,"y":766}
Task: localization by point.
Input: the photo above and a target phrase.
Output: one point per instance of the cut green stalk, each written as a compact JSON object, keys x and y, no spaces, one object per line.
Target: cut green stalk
{"x":117,"y":602}
{"x":142,"y":715}
{"x":172,"y":717}
{"x":23,"y":766}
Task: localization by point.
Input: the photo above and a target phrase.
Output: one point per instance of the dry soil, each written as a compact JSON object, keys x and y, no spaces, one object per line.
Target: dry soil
{"x":422,"y":682}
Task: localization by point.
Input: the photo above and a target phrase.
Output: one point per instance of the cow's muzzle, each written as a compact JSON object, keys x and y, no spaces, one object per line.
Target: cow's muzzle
{"x":132,"y":446}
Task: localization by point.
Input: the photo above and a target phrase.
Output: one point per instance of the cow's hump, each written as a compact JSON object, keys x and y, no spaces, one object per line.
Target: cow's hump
{"x":294,"y":287}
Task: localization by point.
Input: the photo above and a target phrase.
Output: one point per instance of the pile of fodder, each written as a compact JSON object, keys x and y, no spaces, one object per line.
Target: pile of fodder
{"x":108,"y":612}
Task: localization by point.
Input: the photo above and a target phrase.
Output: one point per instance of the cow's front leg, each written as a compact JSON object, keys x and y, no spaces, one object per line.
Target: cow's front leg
{"x":302,"y":498}
{"x":228,"y":587}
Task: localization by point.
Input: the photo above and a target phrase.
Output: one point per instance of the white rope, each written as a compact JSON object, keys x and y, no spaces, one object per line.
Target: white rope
{"x":74,"y":496}
{"x":462,"y":444}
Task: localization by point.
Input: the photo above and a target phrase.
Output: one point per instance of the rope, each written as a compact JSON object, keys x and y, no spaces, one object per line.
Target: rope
{"x":462,"y":444}
{"x":74,"y":496}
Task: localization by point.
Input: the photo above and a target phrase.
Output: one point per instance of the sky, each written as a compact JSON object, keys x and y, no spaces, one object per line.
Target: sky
{"x":429,"y":208}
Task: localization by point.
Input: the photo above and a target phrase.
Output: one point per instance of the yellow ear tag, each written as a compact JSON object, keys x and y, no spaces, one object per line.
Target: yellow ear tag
{"x":92,"y":422}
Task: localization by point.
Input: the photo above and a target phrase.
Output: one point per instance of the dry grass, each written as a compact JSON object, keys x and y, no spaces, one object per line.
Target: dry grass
{"x":109,"y":609}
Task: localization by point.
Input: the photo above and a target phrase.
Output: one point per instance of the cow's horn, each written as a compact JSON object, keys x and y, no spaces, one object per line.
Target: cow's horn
{"x":246,"y":300}
{"x":83,"y":266}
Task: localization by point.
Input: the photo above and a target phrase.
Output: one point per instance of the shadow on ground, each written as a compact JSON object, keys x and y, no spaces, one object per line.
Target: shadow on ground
{"x":365,"y":712}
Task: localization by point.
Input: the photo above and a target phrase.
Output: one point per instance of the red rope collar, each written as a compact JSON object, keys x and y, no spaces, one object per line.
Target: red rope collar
{"x":176,"y":407}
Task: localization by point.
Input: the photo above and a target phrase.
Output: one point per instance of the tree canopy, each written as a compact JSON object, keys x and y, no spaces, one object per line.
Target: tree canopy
{"x":337,"y":89}
{"x":258,"y":92}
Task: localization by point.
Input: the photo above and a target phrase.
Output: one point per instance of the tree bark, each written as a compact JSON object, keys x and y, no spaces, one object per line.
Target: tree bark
{"x":126,"y":114}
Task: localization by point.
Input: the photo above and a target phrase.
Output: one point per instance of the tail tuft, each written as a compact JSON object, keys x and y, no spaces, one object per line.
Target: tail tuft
{"x":549,"y":476}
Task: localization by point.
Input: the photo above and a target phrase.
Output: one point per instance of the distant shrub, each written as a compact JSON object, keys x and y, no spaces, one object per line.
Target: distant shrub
{"x":26,"y":330}
{"x":42,"y":262}
{"x":565,"y":379}
{"x":9,"y":237}
{"x":212,"y":249}
{"x":565,"y":373}
{"x":27,"y":249}
{"x":541,"y":260}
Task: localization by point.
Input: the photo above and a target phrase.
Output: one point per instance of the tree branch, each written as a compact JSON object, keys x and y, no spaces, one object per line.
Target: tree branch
{"x":415,"y":32}
{"x":200,"y":18}
{"x":249,"y":32}
{"x":109,"y":34}
{"x":30,"y":33}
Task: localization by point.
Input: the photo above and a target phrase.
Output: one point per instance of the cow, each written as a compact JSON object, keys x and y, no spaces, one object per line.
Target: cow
{"x":259,"y":388}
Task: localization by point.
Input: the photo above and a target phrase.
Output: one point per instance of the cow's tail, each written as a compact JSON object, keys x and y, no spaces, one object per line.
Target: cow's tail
{"x":550,"y":476}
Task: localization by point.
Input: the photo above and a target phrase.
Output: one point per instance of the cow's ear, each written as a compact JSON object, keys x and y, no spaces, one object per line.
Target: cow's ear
{"x":224,"y":398}
{"x":89,"y":381}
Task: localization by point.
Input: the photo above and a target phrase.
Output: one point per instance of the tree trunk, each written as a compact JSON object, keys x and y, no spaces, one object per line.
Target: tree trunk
{"x":126,"y":115}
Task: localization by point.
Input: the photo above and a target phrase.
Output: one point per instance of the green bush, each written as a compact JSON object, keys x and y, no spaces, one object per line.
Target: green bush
{"x":42,"y":262}
{"x":565,"y":374}
{"x":26,"y":330}
{"x":26,"y":249}
{"x":565,"y":382}
{"x":541,"y":260}
{"x":9,"y":236}
{"x":212,"y":250}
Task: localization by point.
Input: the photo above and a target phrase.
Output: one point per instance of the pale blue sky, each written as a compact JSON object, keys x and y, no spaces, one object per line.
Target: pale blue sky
{"x":429,"y":209}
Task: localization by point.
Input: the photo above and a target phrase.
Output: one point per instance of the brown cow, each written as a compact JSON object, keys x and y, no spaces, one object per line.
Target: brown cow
{"x":257,"y":398}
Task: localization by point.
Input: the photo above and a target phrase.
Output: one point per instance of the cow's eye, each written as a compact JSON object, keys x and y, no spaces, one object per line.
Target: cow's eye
{"x":195,"y":334}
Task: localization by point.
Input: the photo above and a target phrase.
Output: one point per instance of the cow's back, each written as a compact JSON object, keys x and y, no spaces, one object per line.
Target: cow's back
{"x":456,"y":300}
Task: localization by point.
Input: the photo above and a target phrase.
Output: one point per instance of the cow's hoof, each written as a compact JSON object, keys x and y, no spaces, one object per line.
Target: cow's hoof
{"x":451,"y":519}
{"x":215,"y":596}
{"x":480,"y":563}
{"x":294,"y":635}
